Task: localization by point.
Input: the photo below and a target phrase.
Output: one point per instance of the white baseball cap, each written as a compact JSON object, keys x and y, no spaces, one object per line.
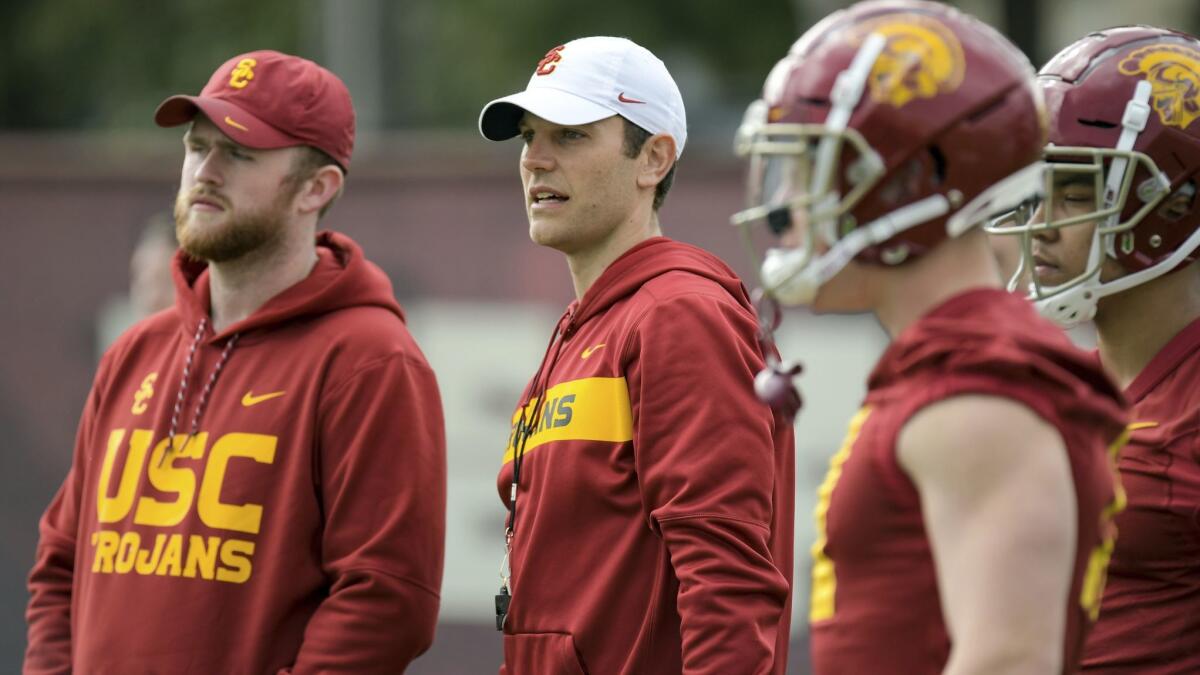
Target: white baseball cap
{"x":589,"y":79}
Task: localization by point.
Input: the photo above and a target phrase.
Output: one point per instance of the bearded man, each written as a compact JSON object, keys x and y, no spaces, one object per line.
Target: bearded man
{"x":258,"y":481}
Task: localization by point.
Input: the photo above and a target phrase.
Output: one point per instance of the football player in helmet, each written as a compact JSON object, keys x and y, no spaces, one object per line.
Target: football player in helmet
{"x":1116,"y":239}
{"x":961,"y":524}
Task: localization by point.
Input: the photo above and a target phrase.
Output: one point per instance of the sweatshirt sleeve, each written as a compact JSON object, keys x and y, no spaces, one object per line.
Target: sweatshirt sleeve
{"x":382,"y":469}
{"x":705,"y":461}
{"x":51,"y":581}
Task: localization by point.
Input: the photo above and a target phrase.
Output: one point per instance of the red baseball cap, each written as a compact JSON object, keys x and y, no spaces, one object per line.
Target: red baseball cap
{"x":266,"y":99}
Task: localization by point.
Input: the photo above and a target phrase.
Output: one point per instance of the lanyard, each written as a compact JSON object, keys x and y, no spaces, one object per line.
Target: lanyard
{"x":520,"y":438}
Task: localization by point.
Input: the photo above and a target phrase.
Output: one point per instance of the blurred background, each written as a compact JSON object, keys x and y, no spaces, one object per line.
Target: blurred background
{"x":85,"y":177}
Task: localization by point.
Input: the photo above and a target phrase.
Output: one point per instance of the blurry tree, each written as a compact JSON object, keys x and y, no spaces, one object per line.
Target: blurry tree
{"x":454,"y":56}
{"x":102,"y":65}
{"x":89,"y":64}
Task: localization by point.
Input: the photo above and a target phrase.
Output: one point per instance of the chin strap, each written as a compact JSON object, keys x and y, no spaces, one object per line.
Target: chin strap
{"x":800,"y":287}
{"x":1133,"y":123}
{"x":847,"y":92}
{"x":1079,"y":303}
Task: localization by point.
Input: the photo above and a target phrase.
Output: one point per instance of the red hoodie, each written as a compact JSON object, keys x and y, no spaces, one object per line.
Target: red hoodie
{"x":301,"y":527}
{"x":653,"y":529}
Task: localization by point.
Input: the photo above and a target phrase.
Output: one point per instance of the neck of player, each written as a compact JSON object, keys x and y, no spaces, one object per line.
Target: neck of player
{"x":240,"y":287}
{"x":1133,"y":326}
{"x":905,"y":293}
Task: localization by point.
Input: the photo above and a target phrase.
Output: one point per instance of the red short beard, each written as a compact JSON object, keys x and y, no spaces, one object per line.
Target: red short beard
{"x":239,"y":234}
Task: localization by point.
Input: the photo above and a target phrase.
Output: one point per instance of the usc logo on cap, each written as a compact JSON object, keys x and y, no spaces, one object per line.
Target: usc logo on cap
{"x":1173,"y":72}
{"x":242,"y":73}
{"x":922,"y":58}
{"x":546,"y":65}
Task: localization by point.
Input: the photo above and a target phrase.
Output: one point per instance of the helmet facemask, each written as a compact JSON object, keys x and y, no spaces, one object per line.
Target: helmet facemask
{"x":795,"y":179}
{"x":798,"y":198}
{"x":807,"y":180}
{"x":1110,"y":174}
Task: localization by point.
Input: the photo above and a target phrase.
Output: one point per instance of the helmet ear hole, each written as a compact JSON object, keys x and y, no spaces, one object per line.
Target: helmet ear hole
{"x":906,"y":183}
{"x":915,"y":178}
{"x":1178,"y":205}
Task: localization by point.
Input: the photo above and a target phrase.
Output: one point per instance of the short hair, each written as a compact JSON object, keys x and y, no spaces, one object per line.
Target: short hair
{"x":635,"y":140}
{"x":306,"y":165}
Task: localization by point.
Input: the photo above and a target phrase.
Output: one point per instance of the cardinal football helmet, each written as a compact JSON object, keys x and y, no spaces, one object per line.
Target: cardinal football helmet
{"x":1124,"y":105}
{"x":888,"y":128}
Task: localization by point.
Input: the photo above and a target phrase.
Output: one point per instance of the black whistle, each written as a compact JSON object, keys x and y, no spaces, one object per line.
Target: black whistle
{"x":502,"y":600}
{"x":779,"y":220}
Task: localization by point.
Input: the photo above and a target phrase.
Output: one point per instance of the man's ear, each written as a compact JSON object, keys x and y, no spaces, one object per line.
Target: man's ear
{"x":320,"y":189}
{"x":657,"y":158}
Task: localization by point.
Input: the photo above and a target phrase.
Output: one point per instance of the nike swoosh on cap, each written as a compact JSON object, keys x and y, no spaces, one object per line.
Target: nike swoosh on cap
{"x":625,"y":99}
{"x":229,"y":120}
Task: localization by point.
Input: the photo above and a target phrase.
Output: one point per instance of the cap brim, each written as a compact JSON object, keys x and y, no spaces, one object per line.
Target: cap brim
{"x":239,"y":125}
{"x":499,"y":119}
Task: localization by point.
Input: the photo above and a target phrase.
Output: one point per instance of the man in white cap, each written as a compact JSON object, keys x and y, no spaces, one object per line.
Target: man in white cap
{"x":649,"y":491}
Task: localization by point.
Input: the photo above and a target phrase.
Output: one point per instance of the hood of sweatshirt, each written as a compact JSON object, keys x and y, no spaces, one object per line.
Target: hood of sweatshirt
{"x":342,"y":278}
{"x":651,"y":258}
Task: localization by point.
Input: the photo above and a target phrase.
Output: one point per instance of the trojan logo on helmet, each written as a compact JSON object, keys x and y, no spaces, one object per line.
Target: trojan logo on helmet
{"x":866,"y":143}
{"x":1174,"y":75}
{"x":921,"y":58}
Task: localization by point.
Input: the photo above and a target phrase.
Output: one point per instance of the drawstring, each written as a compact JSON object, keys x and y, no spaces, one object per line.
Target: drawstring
{"x":183,"y":385}
{"x":204,"y":393}
{"x":208,"y":386}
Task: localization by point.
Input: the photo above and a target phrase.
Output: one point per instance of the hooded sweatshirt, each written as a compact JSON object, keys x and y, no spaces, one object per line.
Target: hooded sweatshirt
{"x":653,"y":523}
{"x":875,"y":606}
{"x":296,"y":525}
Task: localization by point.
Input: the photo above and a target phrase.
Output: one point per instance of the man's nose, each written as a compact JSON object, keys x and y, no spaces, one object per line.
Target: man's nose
{"x":1045,"y":234}
{"x":208,"y":170}
{"x":536,"y":156}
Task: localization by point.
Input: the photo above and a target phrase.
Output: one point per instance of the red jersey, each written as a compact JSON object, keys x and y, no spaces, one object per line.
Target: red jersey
{"x":653,"y":528}
{"x":297,"y":523}
{"x":875,"y":606}
{"x":1150,"y":616}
